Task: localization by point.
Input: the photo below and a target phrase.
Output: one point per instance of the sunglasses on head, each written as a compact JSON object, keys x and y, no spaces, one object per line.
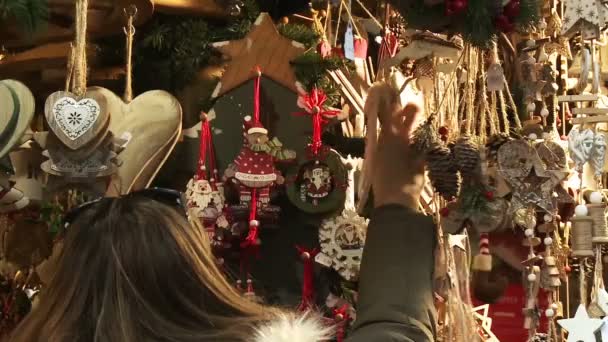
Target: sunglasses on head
{"x":170,"y":197}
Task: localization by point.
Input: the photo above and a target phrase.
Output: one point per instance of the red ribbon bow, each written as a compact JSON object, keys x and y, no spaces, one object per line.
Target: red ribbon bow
{"x":312,"y":103}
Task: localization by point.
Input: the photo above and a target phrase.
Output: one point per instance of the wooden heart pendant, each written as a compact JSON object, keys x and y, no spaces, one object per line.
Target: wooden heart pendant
{"x":76,"y":121}
{"x":152,"y":123}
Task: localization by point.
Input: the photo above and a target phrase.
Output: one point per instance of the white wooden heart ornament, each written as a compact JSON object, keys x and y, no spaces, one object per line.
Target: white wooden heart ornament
{"x":76,"y":121}
{"x":75,"y":118}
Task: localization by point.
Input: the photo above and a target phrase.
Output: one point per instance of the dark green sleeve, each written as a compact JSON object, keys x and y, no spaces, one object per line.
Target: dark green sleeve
{"x":396,"y":283}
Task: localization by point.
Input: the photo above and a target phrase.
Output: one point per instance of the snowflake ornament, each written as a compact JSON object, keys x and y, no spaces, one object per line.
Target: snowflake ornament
{"x":342,"y":239}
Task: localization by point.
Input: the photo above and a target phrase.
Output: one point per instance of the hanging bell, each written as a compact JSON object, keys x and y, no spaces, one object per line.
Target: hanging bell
{"x":495,"y":78}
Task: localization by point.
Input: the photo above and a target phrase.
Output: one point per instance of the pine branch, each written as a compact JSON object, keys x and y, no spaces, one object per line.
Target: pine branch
{"x":300,"y":33}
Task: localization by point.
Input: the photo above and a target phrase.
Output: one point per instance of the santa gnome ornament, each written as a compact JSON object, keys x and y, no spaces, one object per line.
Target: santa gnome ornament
{"x":254,"y":169}
{"x":204,"y":191}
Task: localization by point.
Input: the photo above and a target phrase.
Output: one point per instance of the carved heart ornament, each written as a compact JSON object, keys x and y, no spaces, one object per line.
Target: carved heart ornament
{"x":153,"y":121}
{"x":76,"y":121}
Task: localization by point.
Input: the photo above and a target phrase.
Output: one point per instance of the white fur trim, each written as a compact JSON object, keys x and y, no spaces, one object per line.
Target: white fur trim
{"x":291,"y":328}
{"x":257,"y":130}
{"x":255,"y":178}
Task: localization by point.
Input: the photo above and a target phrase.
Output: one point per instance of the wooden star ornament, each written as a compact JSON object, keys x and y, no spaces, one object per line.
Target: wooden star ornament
{"x":581,"y":327}
{"x":263,"y":46}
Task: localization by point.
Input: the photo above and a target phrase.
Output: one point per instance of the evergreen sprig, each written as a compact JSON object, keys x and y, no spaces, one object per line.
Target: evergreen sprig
{"x":483,"y":31}
{"x":300,"y":33}
{"x":311,"y":71}
{"x":30,"y":15}
{"x":529,"y":14}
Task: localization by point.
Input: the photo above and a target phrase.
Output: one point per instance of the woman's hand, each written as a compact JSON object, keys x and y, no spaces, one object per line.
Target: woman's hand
{"x":398,"y":177}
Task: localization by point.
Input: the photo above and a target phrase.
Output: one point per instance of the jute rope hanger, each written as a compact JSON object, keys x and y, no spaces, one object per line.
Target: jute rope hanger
{"x":79,"y":85}
{"x":129,"y":31}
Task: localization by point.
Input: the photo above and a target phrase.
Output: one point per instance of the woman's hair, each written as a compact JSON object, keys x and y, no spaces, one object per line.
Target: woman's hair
{"x":133,"y":269}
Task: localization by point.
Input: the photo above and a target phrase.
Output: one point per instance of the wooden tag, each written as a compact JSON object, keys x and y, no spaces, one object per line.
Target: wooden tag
{"x":76,"y":121}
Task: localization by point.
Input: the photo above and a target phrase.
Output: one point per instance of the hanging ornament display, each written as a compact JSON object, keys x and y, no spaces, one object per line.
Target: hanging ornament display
{"x":342,"y":238}
{"x":318,"y":184}
{"x":581,"y":327}
{"x":532,"y":182}
{"x":205,"y":198}
{"x":253,"y":169}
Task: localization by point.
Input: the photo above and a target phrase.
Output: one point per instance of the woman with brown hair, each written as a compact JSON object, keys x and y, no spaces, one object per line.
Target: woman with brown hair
{"x":133,"y":269}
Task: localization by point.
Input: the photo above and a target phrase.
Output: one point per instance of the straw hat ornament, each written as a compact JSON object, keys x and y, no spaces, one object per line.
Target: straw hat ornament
{"x":16,"y":113}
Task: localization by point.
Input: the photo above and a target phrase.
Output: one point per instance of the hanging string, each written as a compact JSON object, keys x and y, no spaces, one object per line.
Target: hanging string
{"x":129,"y":31}
{"x":494,"y":121}
{"x":338,"y":24}
{"x":351,"y":20}
{"x":503,"y":112}
{"x":582,"y":283}
{"x":252,"y":236}
{"x":371,"y":16}
{"x":313,"y":103}
{"x":212,"y":161}
{"x":80,"y":46}
{"x":256,"y":95}
{"x":70,"y":68}
{"x":512,"y":103}
{"x":308,"y":281}
{"x":202,"y":158}
{"x":483,"y":103}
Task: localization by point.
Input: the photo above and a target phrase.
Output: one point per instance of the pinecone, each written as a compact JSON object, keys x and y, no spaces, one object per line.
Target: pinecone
{"x":442,"y":171}
{"x":538,"y":337}
{"x":492,"y":146}
{"x":425,"y":136}
{"x":467,"y":157}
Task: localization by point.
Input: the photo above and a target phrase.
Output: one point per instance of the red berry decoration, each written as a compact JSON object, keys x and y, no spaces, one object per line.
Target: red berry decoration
{"x":564,"y":137}
{"x":489,"y":195}
{"x":444,"y":138}
{"x":443,"y":130}
{"x":459,"y":6}
{"x":512,"y":9}
{"x":567,"y":269}
{"x":445,"y":211}
{"x":503,"y":23}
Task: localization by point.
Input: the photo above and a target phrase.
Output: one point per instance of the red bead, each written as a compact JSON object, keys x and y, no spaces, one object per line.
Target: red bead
{"x":458,"y":6}
{"x":567,"y":269}
{"x":503,"y":23}
{"x":444,"y":138}
{"x":564,"y":138}
{"x":445,"y":211}
{"x":512,"y":9}
{"x":443,"y":130}
{"x":489,"y":195}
